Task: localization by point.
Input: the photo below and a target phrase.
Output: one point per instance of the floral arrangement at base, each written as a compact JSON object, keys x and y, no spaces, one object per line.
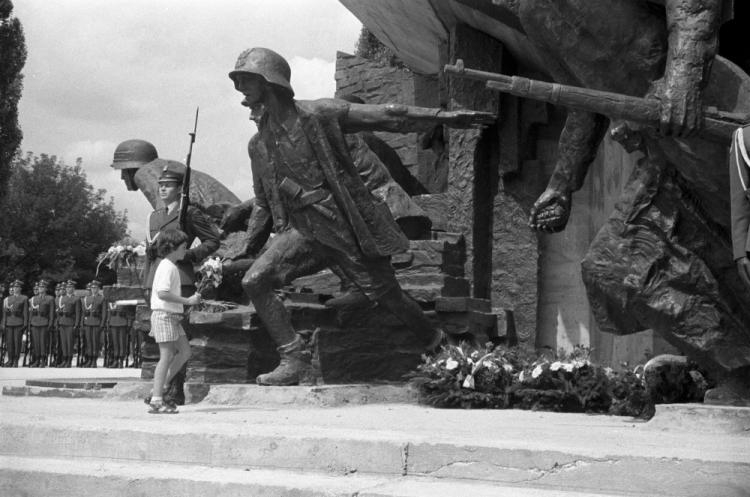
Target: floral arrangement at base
{"x":503,"y":377}
{"x":126,"y":258}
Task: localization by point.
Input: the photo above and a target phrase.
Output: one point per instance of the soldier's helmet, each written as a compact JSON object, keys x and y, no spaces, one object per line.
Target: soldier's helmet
{"x":266,"y":63}
{"x":133,"y":154}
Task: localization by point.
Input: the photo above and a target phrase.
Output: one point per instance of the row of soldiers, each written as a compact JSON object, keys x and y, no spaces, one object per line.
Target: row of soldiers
{"x":60,"y":327}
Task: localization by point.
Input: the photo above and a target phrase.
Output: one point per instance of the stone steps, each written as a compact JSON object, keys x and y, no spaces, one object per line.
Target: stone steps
{"x":92,"y":477}
{"x":388,"y":450}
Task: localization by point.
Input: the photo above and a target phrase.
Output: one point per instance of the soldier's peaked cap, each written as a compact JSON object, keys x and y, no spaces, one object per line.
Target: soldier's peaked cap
{"x":17,"y":283}
{"x":133,"y":154}
{"x":70,"y":283}
{"x":95,"y":283}
{"x":173,"y":171}
{"x":43,"y":283}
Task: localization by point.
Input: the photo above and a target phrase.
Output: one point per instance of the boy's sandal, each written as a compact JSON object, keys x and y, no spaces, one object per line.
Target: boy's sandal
{"x":162,"y":408}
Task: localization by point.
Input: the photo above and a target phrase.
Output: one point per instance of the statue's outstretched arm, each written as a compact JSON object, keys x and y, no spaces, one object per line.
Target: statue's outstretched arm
{"x":693,"y":27}
{"x":577,"y":148}
{"x":399,"y":118}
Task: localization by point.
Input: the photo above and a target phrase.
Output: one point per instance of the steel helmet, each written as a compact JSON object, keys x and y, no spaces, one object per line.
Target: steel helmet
{"x":266,"y":63}
{"x":133,"y":154}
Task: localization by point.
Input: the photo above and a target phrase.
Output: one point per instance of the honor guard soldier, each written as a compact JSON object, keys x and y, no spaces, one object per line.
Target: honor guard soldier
{"x":3,"y":342}
{"x":68,"y":319}
{"x":41,"y":320}
{"x":55,"y":354}
{"x":118,"y":323}
{"x":94,"y":321}
{"x":15,"y":321}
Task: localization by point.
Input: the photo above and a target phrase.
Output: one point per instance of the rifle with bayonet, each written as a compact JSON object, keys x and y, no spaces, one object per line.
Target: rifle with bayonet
{"x":185,"y":195}
{"x":718,"y":126}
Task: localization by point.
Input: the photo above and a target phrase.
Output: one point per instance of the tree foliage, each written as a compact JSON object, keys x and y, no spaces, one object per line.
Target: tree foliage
{"x":369,"y":47}
{"x":54,"y":223}
{"x":12,"y":60}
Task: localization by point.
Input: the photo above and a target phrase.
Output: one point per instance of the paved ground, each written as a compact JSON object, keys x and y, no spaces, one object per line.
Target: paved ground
{"x":689,"y":450}
{"x":18,"y":376}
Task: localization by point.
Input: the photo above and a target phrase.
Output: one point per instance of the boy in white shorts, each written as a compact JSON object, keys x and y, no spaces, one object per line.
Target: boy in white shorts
{"x":166,"y":313}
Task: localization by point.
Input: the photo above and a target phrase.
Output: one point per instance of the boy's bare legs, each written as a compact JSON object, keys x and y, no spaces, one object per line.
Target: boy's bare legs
{"x":167,"y":352}
{"x":180,"y":356}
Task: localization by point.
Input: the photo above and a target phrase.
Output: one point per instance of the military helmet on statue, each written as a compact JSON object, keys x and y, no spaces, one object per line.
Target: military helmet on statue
{"x":133,"y":154}
{"x":266,"y":63}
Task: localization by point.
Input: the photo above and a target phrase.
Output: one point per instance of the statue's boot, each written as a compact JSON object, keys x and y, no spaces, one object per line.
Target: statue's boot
{"x":295,"y":363}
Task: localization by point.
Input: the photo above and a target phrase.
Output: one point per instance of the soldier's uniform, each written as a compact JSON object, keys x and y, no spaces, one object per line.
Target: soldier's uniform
{"x":195,"y":225}
{"x":15,"y":321}
{"x":41,"y":319}
{"x":94,"y":309}
{"x":118,"y":323}
{"x":739,"y":187}
{"x":68,"y":319}
{"x":3,"y":343}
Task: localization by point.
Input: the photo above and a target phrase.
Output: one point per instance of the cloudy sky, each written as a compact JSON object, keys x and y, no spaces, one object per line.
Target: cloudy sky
{"x":102,"y":72}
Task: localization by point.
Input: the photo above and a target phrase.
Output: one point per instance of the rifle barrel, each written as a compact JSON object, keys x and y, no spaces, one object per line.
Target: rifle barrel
{"x":718,"y":126}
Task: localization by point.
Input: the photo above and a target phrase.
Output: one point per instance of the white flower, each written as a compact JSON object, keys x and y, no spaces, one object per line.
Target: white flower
{"x":537,"y":371}
{"x":522,"y":376}
{"x":555,"y":366}
{"x":451,"y":364}
{"x":568,"y":367}
{"x":469,"y":382}
{"x":580,"y":363}
{"x":475,"y":355}
{"x":509,"y":368}
{"x":140,"y":250}
{"x":111,"y":250}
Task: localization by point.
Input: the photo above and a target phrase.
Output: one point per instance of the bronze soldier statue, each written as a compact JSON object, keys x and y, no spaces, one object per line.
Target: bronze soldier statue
{"x":307,"y":187}
{"x":660,"y":260}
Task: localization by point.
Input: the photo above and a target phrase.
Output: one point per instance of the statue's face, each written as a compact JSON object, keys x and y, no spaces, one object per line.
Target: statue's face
{"x":169,"y":192}
{"x":252,"y":86}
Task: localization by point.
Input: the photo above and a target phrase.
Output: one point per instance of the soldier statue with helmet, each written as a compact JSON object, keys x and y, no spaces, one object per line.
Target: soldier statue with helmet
{"x":308,"y":189}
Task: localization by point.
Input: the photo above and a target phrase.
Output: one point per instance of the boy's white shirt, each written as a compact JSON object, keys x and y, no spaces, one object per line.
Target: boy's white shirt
{"x":166,"y":278}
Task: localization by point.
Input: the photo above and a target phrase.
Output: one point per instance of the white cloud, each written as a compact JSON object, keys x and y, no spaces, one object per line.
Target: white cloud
{"x":312,"y":78}
{"x":97,"y":76}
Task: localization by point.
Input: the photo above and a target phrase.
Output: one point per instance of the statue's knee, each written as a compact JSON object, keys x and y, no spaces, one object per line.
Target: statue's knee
{"x":254,"y":282}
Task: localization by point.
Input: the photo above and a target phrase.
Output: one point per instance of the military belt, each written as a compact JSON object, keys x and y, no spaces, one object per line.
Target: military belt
{"x":302,"y":198}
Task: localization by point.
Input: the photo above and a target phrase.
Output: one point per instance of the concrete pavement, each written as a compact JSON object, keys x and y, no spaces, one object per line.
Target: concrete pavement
{"x":253,"y":447}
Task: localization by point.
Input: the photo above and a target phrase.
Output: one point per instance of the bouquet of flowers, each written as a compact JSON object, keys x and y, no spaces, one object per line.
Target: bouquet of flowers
{"x":121,"y":254}
{"x":209,"y":275}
